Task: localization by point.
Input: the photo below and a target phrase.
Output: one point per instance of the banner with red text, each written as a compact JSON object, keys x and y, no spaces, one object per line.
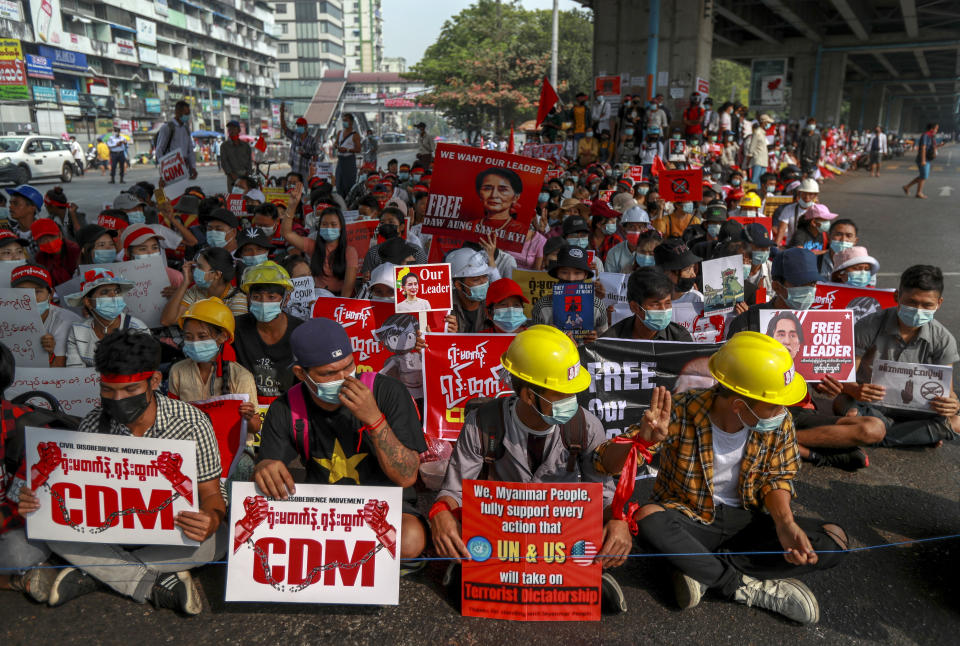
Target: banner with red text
{"x":457,"y":368}
{"x":21,"y":327}
{"x":532,"y":549}
{"x":175,"y":174}
{"x":477,"y":193}
{"x":859,"y":300}
{"x":326,"y":544}
{"x":359,"y":235}
{"x":100,"y":488}
{"x":361,"y":319}
{"x":820,"y":341}
{"x":77,"y":389}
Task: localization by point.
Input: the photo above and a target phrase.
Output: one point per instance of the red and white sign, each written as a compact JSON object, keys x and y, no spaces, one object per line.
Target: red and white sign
{"x":327,"y":544}
{"x":680,"y":185}
{"x":228,"y":425}
{"x":99,"y":488}
{"x":21,"y":327}
{"x":360,"y":234}
{"x":361,"y":319}
{"x":703,"y":87}
{"x":820,"y":341}
{"x":747,"y":219}
{"x":607,"y":85}
{"x":237,"y":204}
{"x":175,"y":174}
{"x":551,"y":152}
{"x":423,"y":288}
{"x":533,"y":548}
{"x":860,"y":300}
{"x":635,"y":173}
{"x":458,"y":368}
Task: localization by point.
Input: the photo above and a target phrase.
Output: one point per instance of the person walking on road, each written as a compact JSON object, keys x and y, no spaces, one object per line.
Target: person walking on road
{"x":235,"y":156}
{"x":118,"y":155}
{"x":425,"y":145}
{"x":77,"y":153}
{"x":103,"y":156}
{"x":876,"y":147}
{"x":926,"y":153}
{"x":757,"y":156}
{"x":175,"y":135}
{"x":348,"y":144}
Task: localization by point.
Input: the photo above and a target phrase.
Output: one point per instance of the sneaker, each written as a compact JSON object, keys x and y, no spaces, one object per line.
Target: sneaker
{"x":177,"y":592}
{"x":846,"y":459}
{"x":612,"y":600}
{"x":410,"y":568}
{"x":688,"y":590}
{"x":788,"y":597}
{"x":70,"y":584}
{"x":36,"y":583}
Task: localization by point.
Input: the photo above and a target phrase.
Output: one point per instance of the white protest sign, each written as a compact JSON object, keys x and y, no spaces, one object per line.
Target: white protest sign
{"x":175,"y":174}
{"x":149,"y":275}
{"x":323,"y":170}
{"x":722,"y":283}
{"x":99,"y":488}
{"x":6,"y":268}
{"x":911,"y":386}
{"x":615,"y":286}
{"x":326,"y":544}
{"x":302,"y":298}
{"x":21,"y":327}
{"x":77,"y":389}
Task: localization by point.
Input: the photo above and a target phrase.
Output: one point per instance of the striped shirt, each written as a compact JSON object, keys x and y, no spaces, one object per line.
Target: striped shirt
{"x":82,"y":341}
{"x":175,"y":420}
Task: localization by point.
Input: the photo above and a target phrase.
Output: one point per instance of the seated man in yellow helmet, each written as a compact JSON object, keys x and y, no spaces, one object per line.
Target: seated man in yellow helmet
{"x":728,"y":454}
{"x":537,"y":428}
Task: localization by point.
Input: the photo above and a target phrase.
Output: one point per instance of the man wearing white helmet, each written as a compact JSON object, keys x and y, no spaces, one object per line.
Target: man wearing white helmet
{"x":472,"y":275}
{"x":620,"y":258}
{"x":786,"y":220}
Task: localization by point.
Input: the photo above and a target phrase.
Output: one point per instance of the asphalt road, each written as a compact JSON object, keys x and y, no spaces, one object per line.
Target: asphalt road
{"x":896,"y":595}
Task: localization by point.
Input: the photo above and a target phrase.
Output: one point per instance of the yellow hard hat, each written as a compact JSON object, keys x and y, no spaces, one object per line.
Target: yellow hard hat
{"x":750,"y":200}
{"x":212,"y":311}
{"x":544,"y":356}
{"x":266,"y":273}
{"x":759,"y":367}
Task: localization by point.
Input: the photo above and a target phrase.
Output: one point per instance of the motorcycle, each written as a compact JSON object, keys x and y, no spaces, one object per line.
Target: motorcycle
{"x":92,"y":163}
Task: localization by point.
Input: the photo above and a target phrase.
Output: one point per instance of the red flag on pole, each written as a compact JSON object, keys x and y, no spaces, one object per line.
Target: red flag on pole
{"x":548,"y":99}
{"x":261,"y":145}
{"x":657,"y":167}
{"x":510,"y":143}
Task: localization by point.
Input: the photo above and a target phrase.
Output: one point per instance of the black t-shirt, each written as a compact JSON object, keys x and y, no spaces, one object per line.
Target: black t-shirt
{"x":270,"y":364}
{"x":334,"y":458}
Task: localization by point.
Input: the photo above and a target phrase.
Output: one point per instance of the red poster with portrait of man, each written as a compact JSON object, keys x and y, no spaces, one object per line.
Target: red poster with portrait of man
{"x":477,"y":193}
{"x":820,"y":341}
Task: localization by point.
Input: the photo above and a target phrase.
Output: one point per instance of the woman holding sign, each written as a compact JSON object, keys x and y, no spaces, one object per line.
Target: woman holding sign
{"x":499,"y":191}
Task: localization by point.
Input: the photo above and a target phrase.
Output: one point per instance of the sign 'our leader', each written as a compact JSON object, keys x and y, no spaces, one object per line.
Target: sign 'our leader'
{"x":476,"y":194}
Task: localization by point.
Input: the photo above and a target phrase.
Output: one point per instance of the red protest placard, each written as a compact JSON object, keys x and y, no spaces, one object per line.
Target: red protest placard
{"x":681,"y":185}
{"x":359,"y":235}
{"x":607,"y":85}
{"x":423,"y":288}
{"x":860,"y":300}
{"x":747,"y":219}
{"x":476,"y":193}
{"x":533,"y":547}
{"x":237,"y":204}
{"x":459,"y":367}
{"x":361,"y":319}
{"x":224,"y":414}
{"x":635,"y":173}
{"x":607,"y":194}
{"x":820,"y":341}
{"x":555,"y":173}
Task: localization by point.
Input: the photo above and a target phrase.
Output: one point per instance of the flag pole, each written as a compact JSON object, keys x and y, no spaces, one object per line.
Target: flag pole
{"x":555,"y":43}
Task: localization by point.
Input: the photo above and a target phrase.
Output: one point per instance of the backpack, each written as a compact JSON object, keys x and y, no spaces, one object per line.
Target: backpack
{"x":299,"y":423}
{"x":492,"y":424}
{"x":16,"y":415}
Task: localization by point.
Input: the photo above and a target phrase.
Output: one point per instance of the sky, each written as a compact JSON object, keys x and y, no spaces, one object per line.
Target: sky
{"x":410,"y":26}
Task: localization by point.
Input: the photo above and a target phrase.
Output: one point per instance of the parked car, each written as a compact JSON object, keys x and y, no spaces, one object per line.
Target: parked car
{"x":23,"y":158}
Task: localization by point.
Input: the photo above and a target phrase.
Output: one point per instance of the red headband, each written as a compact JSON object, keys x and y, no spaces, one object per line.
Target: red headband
{"x":51,"y":202}
{"x":126,"y":379}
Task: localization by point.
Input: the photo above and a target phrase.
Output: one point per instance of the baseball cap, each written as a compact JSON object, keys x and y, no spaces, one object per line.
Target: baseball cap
{"x":126,"y":201}
{"x":188,"y":204}
{"x":89,"y":233}
{"x":756,"y":234}
{"x":504,"y":288}
{"x":574,"y":258}
{"x":846,"y":258}
{"x":255,"y":194}
{"x":622,"y":201}
{"x":7,"y":237}
{"x":30,"y":273}
{"x":673,"y":254}
{"x":818,"y":211}
{"x":383,"y":275}
{"x":223,"y":215}
{"x":233,"y":124}
{"x":575,"y":224}
{"x":28,"y":192}
{"x":319,"y":341}
{"x":137,"y":235}
{"x":44,"y":227}
{"x":796,"y":266}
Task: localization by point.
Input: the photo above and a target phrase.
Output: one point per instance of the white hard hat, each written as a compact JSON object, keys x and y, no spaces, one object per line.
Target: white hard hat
{"x":635,"y":214}
{"x":467,"y":263}
{"x":383,"y":275}
{"x":809,"y":185}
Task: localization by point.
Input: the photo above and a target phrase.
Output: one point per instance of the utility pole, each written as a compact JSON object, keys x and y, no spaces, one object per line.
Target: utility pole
{"x":555,"y":44}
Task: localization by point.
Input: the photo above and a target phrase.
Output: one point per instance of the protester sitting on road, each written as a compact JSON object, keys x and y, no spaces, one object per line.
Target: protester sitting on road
{"x":252,"y":250}
{"x":63,"y":212}
{"x":471,"y":274}
{"x":786,"y":218}
{"x":843,"y":235}
{"x":623,"y":256}
{"x":101,"y":295}
{"x":756,"y":257}
{"x":98,"y":245}
{"x":333,"y":263}
{"x":382,"y":285}
{"x":681,"y":266}
{"x":128,"y":364}
{"x":391,"y":226}
{"x":220,"y":229}
{"x":571,"y":267}
{"x":210,"y":275}
{"x":855,"y":267}
{"x":794,"y":279}
{"x":907,"y":333}
{"x":362,"y":432}
{"x":703,"y":506}
{"x":12,"y":248}
{"x":505,"y":301}
{"x":56,"y":320}
{"x":25,"y":205}
{"x":812,"y":230}
{"x":60,"y":257}
{"x":536,"y":428}
{"x":149,"y":241}
{"x":649,"y":298}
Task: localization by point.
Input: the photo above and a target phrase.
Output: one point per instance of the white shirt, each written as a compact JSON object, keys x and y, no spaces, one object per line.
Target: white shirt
{"x":693,"y":296}
{"x":82,"y":341}
{"x":728,"y":449}
{"x":58,"y":325}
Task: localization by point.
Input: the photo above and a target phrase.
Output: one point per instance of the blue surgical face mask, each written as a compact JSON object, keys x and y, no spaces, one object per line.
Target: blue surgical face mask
{"x":610,"y":227}
{"x":836,"y":246}
{"x":109,"y":307}
{"x":657,"y":319}
{"x":264,"y":311}
{"x":644,"y":260}
{"x":914,"y":316}
{"x":804,"y":205}
{"x":478,"y":293}
{"x":509,"y":319}
{"x":141,"y":256}
{"x":563,"y":410}
{"x":299,"y":130}
{"x":735,"y":182}
{"x":824,"y":226}
{"x":184,"y":119}
{"x":688,"y":207}
{"x":859,"y":278}
{"x":643,"y":190}
{"x":329,"y":233}
{"x":416,"y":176}
{"x":714,"y":229}
{"x":201,"y":351}
{"x":800,"y":298}
{"x":543,"y":197}
{"x":628,"y":132}
{"x":328,"y":391}
{"x":4,"y":212}
{"x":43,"y":306}
{"x":764,"y":424}
{"x":567,"y":192}
{"x":253,"y":261}
{"x":104,"y":256}
{"x":216,"y":238}
{"x":136,"y":217}
{"x":578,"y":242}
{"x":200,"y":278}
{"x":403,"y":175}
{"x":759,"y":257}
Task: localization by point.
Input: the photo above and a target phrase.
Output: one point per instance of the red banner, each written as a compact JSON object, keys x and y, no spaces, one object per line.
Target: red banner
{"x":861,"y":300}
{"x":237,"y":204}
{"x":533,"y":547}
{"x":681,"y":185}
{"x":476,"y":193}
{"x":224,"y":414}
{"x":423,"y":288}
{"x":359,"y":235}
{"x":820,"y":341}
{"x":361,"y":319}
{"x":635,"y":173}
{"x":746,"y":219}
{"x":458,"y":368}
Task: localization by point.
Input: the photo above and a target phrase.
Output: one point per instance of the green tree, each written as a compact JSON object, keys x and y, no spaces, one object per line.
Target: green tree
{"x":487,"y":63}
{"x":729,"y":81}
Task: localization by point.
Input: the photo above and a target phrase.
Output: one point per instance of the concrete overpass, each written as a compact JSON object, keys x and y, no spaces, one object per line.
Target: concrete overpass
{"x":896,"y":61}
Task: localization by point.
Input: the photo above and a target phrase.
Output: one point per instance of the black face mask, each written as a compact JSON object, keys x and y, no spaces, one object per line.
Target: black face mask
{"x":388,"y":231}
{"x":125,"y":410}
{"x":685,"y":284}
{"x":555,"y":192}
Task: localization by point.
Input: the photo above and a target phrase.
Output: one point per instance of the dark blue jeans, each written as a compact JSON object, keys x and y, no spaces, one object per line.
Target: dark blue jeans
{"x":909,"y":428}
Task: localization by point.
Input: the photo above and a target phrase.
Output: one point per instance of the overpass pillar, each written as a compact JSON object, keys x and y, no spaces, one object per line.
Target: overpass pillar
{"x":892,"y":119}
{"x":873,"y":106}
{"x":858,"y":95}
{"x":829,"y":88}
{"x":801,"y":84}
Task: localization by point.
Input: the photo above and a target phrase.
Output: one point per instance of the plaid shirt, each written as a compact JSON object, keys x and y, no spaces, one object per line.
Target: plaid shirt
{"x":303,"y":148}
{"x":176,"y":420}
{"x":685,"y":480}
